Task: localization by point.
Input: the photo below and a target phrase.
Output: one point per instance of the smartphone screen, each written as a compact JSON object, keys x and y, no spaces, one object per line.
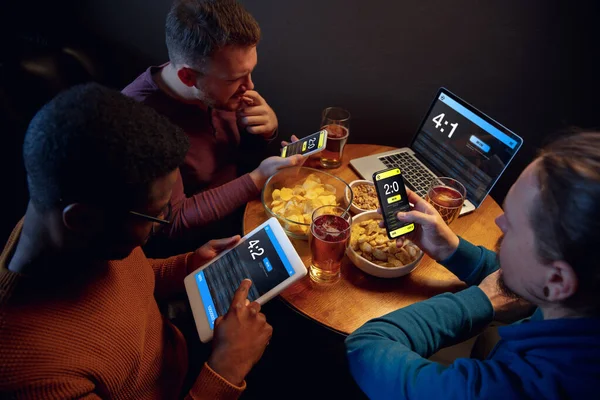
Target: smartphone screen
{"x":308,"y":145}
{"x":392,"y":199}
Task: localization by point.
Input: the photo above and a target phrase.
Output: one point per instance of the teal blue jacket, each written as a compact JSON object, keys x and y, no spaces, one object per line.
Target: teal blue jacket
{"x":540,"y":359}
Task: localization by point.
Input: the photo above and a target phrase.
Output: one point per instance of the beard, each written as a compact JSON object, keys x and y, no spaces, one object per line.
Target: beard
{"x":502,"y":286}
{"x":208,"y":98}
{"x":505,"y":290}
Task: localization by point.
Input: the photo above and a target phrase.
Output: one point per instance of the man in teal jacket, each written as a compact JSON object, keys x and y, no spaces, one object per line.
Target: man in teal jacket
{"x":547,"y":256}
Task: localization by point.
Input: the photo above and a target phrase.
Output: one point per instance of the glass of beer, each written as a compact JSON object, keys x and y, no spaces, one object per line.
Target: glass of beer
{"x":336,"y":121}
{"x":447,"y":196}
{"x":328,"y":240}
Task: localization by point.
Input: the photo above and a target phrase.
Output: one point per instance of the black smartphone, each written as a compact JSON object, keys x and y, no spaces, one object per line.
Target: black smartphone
{"x":392,"y":196}
{"x":306,"y":146}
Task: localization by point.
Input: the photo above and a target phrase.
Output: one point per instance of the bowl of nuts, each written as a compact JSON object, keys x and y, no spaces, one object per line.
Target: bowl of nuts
{"x":365,"y":196}
{"x":373,"y":252}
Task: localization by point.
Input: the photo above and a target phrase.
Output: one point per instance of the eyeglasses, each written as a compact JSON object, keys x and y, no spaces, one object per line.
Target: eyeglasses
{"x":164,"y":218}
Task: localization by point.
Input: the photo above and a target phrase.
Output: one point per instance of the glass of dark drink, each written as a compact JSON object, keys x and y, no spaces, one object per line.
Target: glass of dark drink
{"x":336,"y":121}
{"x":328,"y":240}
{"x":447,"y":196}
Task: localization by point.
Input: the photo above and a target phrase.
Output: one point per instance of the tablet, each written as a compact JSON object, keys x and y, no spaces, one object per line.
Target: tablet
{"x":265,"y":255}
{"x":306,"y":146}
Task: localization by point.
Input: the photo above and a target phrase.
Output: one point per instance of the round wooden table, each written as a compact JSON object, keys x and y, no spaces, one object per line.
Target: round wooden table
{"x":359,"y":297}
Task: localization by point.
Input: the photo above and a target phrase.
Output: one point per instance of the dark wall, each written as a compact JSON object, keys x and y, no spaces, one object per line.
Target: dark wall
{"x":529,"y":64}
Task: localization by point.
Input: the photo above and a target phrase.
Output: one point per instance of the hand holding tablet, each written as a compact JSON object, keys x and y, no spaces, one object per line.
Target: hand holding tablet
{"x":265,"y":255}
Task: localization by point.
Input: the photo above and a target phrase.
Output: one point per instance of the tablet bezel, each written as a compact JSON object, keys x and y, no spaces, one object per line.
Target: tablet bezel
{"x":198,"y":311}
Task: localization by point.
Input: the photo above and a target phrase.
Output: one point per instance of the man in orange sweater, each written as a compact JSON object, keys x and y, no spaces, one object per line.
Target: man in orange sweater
{"x":78,"y":311}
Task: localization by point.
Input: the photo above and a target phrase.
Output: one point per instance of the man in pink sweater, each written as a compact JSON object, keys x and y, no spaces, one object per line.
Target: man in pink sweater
{"x":207,"y":90}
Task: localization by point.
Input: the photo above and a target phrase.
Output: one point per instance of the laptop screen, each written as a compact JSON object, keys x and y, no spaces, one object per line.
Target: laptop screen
{"x":458,"y":141}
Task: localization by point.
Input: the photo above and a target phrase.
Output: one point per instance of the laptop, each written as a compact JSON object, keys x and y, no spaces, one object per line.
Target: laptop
{"x":455,"y":140}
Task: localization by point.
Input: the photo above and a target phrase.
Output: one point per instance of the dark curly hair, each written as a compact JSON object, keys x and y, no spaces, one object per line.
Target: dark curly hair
{"x":195,"y":29}
{"x":566,"y":217}
{"x":93,"y":144}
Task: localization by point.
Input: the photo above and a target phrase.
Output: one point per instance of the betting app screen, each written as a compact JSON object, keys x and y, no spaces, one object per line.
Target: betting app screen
{"x":458,"y":143}
{"x":306,"y":145}
{"x":259,"y":258}
{"x":392,"y":199}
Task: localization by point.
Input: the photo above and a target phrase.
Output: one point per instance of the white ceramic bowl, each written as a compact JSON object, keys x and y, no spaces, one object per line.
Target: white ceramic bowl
{"x":353,"y":207}
{"x":372,"y":268}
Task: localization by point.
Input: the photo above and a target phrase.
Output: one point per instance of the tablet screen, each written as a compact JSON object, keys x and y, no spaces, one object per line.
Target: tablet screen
{"x":259,"y":258}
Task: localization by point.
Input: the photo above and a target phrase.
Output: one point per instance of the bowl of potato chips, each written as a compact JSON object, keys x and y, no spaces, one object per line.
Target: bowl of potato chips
{"x":373,"y":252}
{"x":292,"y":194}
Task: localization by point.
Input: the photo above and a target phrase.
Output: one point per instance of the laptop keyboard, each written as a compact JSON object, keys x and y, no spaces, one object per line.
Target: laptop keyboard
{"x":415,"y":175}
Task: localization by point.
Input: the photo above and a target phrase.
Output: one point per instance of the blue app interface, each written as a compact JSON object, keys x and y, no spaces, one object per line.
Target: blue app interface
{"x":462,"y":145}
{"x":259,"y":258}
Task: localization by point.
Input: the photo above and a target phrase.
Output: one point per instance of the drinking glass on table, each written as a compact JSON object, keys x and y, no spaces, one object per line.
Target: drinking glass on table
{"x":336,"y":121}
{"x":447,"y":196}
{"x":328,"y":240}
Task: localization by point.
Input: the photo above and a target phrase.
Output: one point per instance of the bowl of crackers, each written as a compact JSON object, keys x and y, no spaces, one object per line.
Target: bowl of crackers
{"x":364,"y":196}
{"x":373,"y":252}
{"x":292,"y":194}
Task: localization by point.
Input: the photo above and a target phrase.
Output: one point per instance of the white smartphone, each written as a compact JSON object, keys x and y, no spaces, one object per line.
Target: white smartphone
{"x":265,"y":255}
{"x":306,"y":146}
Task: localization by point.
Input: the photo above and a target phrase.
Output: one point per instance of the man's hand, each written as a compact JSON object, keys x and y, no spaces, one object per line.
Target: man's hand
{"x":257,"y":116}
{"x":431,"y":233}
{"x":271,"y":165}
{"x":294,"y":140}
{"x":508,"y":309}
{"x":240,"y":337}
{"x":212,"y":249}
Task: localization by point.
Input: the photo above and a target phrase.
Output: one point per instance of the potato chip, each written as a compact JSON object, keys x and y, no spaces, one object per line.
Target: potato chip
{"x":299,"y":191}
{"x":366,"y":247}
{"x":314,"y":192}
{"x":311,"y":185}
{"x":278,"y":210}
{"x":372,"y":227}
{"x":286,"y":194}
{"x":312,"y":205}
{"x":395,"y":262}
{"x":381,"y":240}
{"x":296,"y":218}
{"x":328,"y":200}
{"x":294,"y":214}
{"x":380,"y":255}
{"x":330,"y":189}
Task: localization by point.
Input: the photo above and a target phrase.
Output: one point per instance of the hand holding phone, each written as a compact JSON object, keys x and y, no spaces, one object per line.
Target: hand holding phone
{"x":392,"y":199}
{"x":306,"y":146}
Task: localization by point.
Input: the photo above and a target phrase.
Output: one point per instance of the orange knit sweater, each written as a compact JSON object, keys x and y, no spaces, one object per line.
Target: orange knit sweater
{"x":100,"y":337}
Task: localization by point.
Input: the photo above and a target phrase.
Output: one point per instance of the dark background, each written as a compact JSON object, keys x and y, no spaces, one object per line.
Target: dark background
{"x":531,"y":65}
